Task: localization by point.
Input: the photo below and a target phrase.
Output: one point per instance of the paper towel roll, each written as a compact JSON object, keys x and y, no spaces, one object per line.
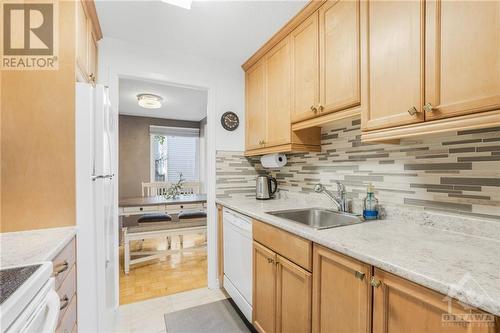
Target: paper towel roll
{"x":273,"y":160}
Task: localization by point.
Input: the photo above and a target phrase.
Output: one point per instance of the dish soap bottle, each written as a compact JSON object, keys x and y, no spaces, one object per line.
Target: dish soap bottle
{"x":370,"y":208}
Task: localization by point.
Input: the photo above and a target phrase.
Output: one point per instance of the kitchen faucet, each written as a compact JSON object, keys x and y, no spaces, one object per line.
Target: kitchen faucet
{"x":339,"y":199}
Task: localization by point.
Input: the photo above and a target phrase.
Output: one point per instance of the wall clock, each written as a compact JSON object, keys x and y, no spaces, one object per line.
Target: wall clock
{"x":230,"y":121}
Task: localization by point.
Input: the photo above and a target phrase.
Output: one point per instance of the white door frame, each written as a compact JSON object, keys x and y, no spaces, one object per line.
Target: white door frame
{"x":112,"y":80}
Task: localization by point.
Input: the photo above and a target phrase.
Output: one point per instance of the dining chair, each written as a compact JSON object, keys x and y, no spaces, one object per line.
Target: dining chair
{"x":150,"y":189}
{"x":191,"y":214}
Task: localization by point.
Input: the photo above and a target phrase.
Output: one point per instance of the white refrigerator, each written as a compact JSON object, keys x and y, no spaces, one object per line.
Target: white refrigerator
{"x":96,"y":207}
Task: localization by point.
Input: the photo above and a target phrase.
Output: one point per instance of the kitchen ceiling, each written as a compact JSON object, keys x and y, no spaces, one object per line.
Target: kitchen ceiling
{"x":178,"y":102}
{"x":225,"y":30}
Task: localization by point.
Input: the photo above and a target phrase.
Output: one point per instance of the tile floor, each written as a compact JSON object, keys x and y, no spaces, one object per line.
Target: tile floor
{"x":147,"y":316}
{"x":176,"y":273}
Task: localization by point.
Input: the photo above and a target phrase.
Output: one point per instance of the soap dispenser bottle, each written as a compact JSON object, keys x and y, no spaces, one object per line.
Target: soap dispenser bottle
{"x":370,"y":207}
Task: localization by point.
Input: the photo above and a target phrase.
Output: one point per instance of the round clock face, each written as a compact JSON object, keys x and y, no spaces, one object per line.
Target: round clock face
{"x":230,"y":121}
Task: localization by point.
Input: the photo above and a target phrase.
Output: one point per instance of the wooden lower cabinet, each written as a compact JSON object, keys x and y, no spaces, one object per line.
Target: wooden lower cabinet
{"x":281,"y":293}
{"x":293,"y":298}
{"x":403,"y":306}
{"x":341,"y":293}
{"x":264,"y":289}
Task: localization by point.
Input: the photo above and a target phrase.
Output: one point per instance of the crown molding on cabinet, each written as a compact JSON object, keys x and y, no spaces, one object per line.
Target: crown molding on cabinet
{"x":294,"y":22}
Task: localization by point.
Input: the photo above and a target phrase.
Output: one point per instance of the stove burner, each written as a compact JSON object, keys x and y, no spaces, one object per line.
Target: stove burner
{"x":13,"y":278}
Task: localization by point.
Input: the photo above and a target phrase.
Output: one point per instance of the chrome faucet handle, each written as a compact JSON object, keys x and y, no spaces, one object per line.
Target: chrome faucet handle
{"x":319,"y":188}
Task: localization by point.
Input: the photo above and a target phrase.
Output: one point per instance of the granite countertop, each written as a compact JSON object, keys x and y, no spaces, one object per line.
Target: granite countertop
{"x":34,"y":246}
{"x":463,"y":265}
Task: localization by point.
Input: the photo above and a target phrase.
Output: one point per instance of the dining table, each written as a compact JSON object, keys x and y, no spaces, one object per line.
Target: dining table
{"x":161,"y":204}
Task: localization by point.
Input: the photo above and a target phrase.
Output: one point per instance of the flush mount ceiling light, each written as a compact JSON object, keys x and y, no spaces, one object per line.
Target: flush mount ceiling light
{"x":186,"y":4}
{"x":149,"y":101}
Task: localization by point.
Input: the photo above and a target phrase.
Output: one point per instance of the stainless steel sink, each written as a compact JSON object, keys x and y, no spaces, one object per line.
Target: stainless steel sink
{"x":319,"y":218}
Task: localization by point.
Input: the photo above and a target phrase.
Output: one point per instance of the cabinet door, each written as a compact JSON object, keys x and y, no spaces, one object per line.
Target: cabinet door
{"x":255,"y":106}
{"x":395,"y":53}
{"x":278,"y":95}
{"x":81,"y":40}
{"x":402,"y":306}
{"x":339,"y":54}
{"x":264,"y":289}
{"x":293,"y":298}
{"x":462,"y":59}
{"x":305,"y":69}
{"x":341,"y":293}
{"x":92,"y":56}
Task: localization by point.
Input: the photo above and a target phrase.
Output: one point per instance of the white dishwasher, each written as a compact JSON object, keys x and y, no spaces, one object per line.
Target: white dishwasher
{"x":237,"y":238}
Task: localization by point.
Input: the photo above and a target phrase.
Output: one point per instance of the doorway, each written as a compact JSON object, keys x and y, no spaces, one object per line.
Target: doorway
{"x":163,"y":152}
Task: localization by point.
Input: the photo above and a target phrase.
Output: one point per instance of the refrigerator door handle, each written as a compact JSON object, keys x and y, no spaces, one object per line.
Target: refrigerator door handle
{"x":110,"y":176}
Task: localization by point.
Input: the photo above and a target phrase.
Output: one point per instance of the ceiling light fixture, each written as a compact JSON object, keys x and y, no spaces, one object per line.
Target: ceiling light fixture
{"x":149,"y":101}
{"x":186,"y":4}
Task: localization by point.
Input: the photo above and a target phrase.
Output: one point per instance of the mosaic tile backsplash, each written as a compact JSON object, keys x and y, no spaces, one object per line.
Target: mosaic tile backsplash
{"x":456,"y":172}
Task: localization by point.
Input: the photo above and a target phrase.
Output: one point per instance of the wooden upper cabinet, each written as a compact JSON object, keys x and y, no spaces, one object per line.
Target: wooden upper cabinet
{"x":462,"y":57}
{"x":293,"y":298}
{"x":304,"y":45}
{"x":396,"y":64}
{"x":341,"y":293}
{"x":88,"y":32}
{"x":256,"y":117}
{"x":402,"y":306}
{"x":82,"y":47}
{"x":92,"y":63}
{"x":264,"y":289}
{"x":339,"y":45}
{"x":278,"y":94}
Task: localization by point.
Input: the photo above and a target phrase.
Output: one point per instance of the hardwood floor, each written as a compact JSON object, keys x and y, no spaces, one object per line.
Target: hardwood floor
{"x":178,"y":272}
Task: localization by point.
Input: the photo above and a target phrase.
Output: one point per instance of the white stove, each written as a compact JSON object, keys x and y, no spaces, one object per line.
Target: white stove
{"x":28,"y":300}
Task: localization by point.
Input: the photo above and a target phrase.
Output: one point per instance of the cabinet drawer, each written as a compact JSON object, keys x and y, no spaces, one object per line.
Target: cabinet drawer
{"x":68,"y":321}
{"x":67,"y":291}
{"x":64,"y":261}
{"x":142,"y":209}
{"x":294,"y":248}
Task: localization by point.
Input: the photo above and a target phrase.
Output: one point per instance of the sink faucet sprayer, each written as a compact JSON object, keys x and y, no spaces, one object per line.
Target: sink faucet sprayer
{"x":339,"y":199}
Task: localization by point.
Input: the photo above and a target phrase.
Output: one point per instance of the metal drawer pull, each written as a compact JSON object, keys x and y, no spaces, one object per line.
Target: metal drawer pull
{"x":269,"y":260}
{"x":313,"y":109}
{"x":375,"y":283}
{"x":359,"y":275}
{"x":320,"y":108}
{"x":412,"y":111}
{"x":428,"y":107}
{"x":61,"y":268}
{"x":64,"y":302}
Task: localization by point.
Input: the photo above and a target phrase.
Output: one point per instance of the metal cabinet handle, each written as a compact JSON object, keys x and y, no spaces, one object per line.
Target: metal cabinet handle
{"x":412,"y":111}
{"x":270,"y":261}
{"x":359,"y":275}
{"x":61,"y":268}
{"x":64,"y":302}
{"x":428,"y":107}
{"x":320,"y":108}
{"x":313,"y":109}
{"x":375,"y":283}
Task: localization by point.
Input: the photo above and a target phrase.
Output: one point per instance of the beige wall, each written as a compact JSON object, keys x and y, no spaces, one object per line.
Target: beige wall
{"x":134,"y":146}
{"x":38,"y":140}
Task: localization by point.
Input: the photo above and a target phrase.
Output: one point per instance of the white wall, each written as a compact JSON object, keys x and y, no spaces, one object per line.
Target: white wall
{"x":121,"y":58}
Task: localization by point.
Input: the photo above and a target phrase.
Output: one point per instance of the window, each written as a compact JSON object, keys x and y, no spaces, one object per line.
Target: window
{"x":174,"y":151}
